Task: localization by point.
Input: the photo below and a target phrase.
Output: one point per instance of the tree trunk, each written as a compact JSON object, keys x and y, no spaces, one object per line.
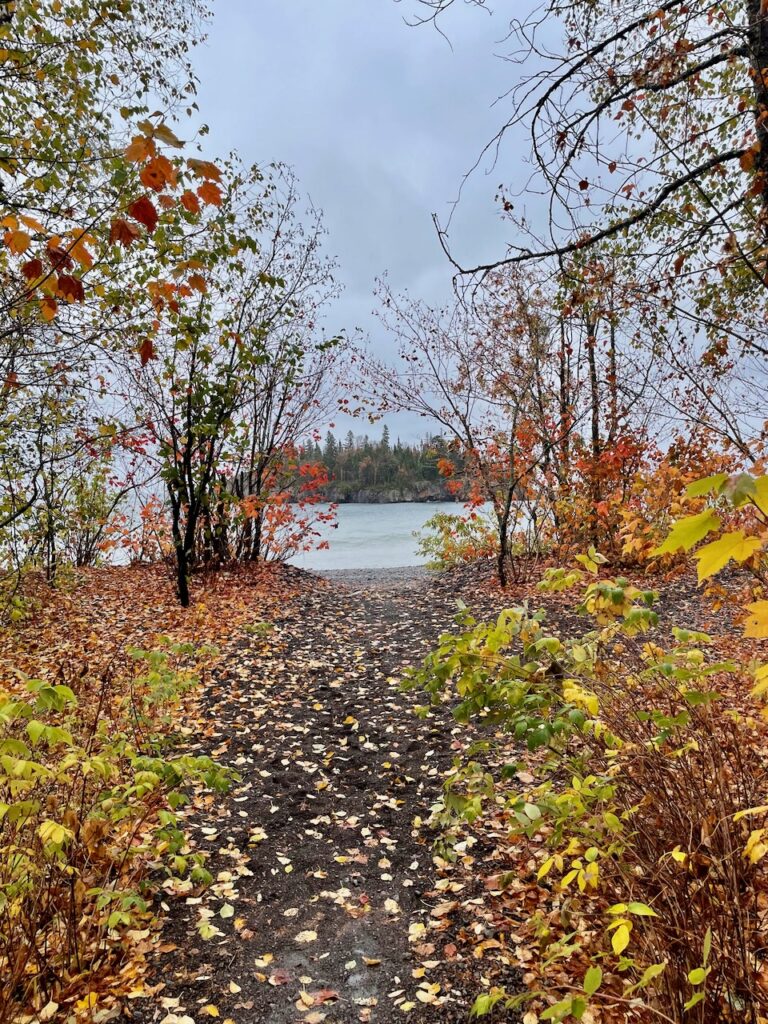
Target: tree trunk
{"x":594,"y":388}
{"x":757,"y":17}
{"x":182,"y":575}
{"x":257,"y":536}
{"x":501,"y":560}
{"x":180,"y":549}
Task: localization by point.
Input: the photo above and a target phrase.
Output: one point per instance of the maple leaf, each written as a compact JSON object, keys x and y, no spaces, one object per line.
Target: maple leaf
{"x":32,"y":269}
{"x":123,"y":232}
{"x":204,"y":169}
{"x":140,"y":149}
{"x":71,"y":288}
{"x":198,"y":282}
{"x":143,"y":210}
{"x":79,"y":251}
{"x":158,"y":173}
{"x":190,"y":201}
{"x":48,"y":308}
{"x":57,"y":256}
{"x":17,"y":241}
{"x":147,"y":350}
{"x":210,"y":193}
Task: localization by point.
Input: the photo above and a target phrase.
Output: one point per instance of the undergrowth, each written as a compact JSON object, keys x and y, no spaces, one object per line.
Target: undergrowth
{"x":642,"y":820}
{"x":89,"y":790}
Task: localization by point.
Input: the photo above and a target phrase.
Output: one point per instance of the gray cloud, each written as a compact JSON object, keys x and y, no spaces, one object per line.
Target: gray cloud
{"x":380,"y":121}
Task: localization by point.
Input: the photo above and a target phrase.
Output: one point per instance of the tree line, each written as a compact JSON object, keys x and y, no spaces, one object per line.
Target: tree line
{"x":358,"y":463}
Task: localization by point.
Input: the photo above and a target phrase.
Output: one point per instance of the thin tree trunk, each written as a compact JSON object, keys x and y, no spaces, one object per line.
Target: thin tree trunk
{"x":594,"y":389}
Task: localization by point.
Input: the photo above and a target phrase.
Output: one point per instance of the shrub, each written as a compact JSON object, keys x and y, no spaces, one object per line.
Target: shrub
{"x":88,"y":795}
{"x":645,"y":819}
{"x":448,"y":540}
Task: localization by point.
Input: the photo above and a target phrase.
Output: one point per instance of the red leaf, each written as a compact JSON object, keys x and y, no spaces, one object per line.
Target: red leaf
{"x":71,"y":288}
{"x":144,"y":212}
{"x":147,"y":351}
{"x":59,"y":257}
{"x":32,"y":269}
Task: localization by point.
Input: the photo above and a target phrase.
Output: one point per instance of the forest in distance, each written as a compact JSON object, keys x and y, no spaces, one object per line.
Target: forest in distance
{"x":363,"y":470}
{"x":526,"y":782}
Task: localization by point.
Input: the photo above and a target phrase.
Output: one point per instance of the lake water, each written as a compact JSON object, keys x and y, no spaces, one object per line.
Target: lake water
{"x":374,"y":536}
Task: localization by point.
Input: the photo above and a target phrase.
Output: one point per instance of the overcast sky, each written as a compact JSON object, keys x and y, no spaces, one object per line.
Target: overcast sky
{"x":380,"y":122}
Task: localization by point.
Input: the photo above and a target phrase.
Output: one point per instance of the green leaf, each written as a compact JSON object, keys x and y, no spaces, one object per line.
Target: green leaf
{"x":558,"y":1011}
{"x":641,"y":910}
{"x":741,"y":489}
{"x":697,"y":976}
{"x":592,"y":980}
{"x":35,"y":731}
{"x":695,"y":999}
{"x":707,"y":945}
{"x":709,"y":485}
{"x":485,"y":1003}
{"x":651,"y":972}
{"x":686,"y":533}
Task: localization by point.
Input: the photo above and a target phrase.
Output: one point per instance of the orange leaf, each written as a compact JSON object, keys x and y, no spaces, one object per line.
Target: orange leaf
{"x":210,"y":193}
{"x":190,"y":202}
{"x":144,"y":212}
{"x":123,"y":232}
{"x":32,"y":223}
{"x":17,"y":241}
{"x":198,"y":281}
{"x":140,"y":149}
{"x":79,"y":251}
{"x":147,"y":351}
{"x":158,"y":173}
{"x":48,"y":308}
{"x":204,"y":169}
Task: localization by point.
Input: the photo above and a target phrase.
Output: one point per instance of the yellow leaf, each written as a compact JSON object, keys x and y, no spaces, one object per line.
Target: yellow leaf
{"x":760,"y":496}
{"x":756,"y":625}
{"x":211,"y":1010}
{"x":715,"y":556}
{"x":756,"y":849}
{"x":18,"y":241}
{"x":620,"y":939}
{"x":688,"y":532}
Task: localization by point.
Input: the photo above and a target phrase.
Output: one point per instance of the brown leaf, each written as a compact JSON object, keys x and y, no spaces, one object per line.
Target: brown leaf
{"x":123,"y":232}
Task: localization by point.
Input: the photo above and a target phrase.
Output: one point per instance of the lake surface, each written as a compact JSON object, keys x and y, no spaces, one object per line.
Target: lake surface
{"x":374,"y":536}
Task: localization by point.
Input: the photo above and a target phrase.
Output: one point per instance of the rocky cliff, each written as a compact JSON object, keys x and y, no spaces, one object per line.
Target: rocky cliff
{"x":420,"y":490}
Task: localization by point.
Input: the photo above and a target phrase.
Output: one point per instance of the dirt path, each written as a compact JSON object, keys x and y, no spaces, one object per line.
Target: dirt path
{"x":319,"y":872}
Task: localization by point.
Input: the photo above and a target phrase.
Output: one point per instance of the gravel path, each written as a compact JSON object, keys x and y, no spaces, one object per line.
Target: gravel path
{"x":321,"y":879}
{"x":378,"y":579}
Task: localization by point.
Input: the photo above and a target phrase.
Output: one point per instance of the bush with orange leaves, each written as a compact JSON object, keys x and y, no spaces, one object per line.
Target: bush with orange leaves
{"x":624,"y":502}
